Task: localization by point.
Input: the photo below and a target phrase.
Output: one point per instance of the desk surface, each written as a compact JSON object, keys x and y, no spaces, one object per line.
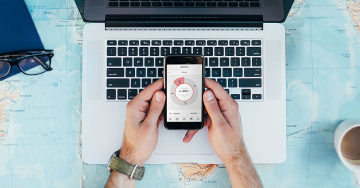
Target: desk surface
{"x":40,"y":116}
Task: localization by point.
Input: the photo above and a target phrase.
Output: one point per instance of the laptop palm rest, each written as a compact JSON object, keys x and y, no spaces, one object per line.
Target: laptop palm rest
{"x":171,"y":143}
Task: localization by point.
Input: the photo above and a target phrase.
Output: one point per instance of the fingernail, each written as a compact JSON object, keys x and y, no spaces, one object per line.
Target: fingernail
{"x":209,"y":96}
{"x":185,"y":137}
{"x":159,"y":96}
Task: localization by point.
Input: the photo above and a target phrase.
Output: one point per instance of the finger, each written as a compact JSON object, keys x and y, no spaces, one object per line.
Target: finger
{"x":189,"y":135}
{"x":149,"y":91}
{"x":213,"y":109}
{"x":156,"y":108}
{"x":218,"y":90}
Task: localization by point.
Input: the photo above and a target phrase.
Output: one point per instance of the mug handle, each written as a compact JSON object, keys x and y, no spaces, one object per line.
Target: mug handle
{"x":357,"y":177}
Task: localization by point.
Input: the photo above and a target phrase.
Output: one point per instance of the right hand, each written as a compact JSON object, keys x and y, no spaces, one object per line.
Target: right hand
{"x":224,"y":122}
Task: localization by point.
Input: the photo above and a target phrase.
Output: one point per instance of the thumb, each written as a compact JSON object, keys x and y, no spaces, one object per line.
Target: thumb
{"x":213,"y":109}
{"x":156,"y":107}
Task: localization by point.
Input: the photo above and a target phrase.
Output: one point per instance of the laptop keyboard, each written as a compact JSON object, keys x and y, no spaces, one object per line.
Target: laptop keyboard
{"x":134,"y":64}
{"x":184,"y":3}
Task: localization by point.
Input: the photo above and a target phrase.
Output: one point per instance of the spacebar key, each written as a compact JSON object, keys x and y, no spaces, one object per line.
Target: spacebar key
{"x":250,"y":82}
{"x":118,"y":82}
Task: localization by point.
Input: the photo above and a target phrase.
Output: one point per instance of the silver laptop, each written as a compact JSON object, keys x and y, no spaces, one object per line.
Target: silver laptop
{"x":243,"y":44}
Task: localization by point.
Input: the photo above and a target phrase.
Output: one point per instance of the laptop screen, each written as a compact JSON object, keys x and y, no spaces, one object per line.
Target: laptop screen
{"x":186,"y":10}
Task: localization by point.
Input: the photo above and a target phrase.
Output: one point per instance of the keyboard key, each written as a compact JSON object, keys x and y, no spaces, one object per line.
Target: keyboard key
{"x":154,"y":51}
{"x":245,"y":42}
{"x":124,"y":4}
{"x":176,"y":50}
{"x":256,"y":61}
{"x":222,"y":4}
{"x":165,"y":51}
{"x":133,"y":51}
{"x":254,"y":51}
{"x":219,"y":51}
{"x":224,"y":62}
{"x":229,"y":51}
{"x":145,"y":43}
{"x":186,"y":50}
{"x":149,"y":62}
{"x":223,"y":42}
{"x":254,"y":82}
{"x":146,"y":82}
{"x":254,"y":4}
{"x":189,"y":4}
{"x":121,"y":94}
{"x":207,"y":72}
{"x":115,"y":72}
{"x":244,"y":4}
{"x":143,"y":51}
{"x":178,"y":42}
{"x":145,"y":4}
{"x":138,"y":62}
{"x":232,"y":82}
{"x":208,"y":51}
{"x":111,"y":51}
{"x":113,"y":4}
{"x":245,"y":96}
{"x":135,"y":4}
{"x":122,"y":51}
{"x":213,"y":62}
{"x":122,"y":42}
{"x":167,"y":42}
{"x":235,"y":61}
{"x":211,"y":4}
{"x":216,"y":72}
{"x":256,"y":42}
{"x":189,"y":43}
{"x":154,"y":80}
{"x":178,"y":4}
{"x":160,"y":72}
{"x":167,"y":4}
{"x":121,"y":82}
{"x":151,"y":72}
{"x":234,"y":42}
{"x":156,"y":42}
{"x":237,"y":72}
{"x":233,"y":4}
{"x":200,"y":4}
{"x":140,"y":90}
{"x":127,"y":62}
{"x":206,"y":61}
{"x":211,"y":42}
{"x":240,"y":51}
{"x":111,"y":42}
{"x":135,"y":82}
{"x":159,"y":62}
{"x":200,"y":42}
{"x":227,"y":91}
{"x":252,"y":72}
{"x":256,"y":96}
{"x":197,"y":50}
{"x":132,"y":93}
{"x":227,"y":72}
{"x":235,"y":96}
{"x":222,"y":82}
{"x":134,"y":42}
{"x":111,"y":93}
{"x":140,"y":72}
{"x":130,"y":72}
{"x":246,"y":91}
{"x":245,"y":61}
{"x":114,"y":62}
{"x":156,"y":4}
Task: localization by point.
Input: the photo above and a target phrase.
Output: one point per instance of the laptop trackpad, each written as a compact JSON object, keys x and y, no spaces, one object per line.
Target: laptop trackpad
{"x":171,"y":143}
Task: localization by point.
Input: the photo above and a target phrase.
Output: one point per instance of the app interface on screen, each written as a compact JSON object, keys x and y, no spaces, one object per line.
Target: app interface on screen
{"x":184,"y":99}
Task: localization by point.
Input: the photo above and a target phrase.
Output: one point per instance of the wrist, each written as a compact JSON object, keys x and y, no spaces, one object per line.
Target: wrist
{"x":130,"y":158}
{"x":235,"y":155}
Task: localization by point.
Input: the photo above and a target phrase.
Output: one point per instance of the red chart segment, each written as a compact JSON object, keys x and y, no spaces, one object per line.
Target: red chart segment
{"x":179,"y":81}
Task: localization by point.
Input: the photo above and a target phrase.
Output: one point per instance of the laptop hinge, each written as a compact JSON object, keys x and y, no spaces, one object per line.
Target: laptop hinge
{"x":244,"y":22}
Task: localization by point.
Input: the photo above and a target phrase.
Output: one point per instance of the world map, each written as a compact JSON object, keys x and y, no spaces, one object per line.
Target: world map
{"x":40,"y":116}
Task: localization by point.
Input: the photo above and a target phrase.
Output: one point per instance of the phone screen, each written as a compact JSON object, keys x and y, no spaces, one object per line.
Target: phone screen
{"x":184,"y":88}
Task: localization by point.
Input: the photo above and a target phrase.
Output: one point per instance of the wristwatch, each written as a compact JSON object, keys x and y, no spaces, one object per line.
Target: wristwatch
{"x":133,"y":171}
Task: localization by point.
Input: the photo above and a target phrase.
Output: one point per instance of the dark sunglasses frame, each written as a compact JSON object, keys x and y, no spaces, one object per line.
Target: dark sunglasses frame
{"x":26,"y":54}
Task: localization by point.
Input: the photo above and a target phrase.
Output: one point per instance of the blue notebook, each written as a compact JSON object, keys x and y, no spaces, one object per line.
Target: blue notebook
{"x":18,"y":31}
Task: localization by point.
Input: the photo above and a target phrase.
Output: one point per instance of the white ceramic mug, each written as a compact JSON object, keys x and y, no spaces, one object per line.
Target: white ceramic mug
{"x":340,"y":132}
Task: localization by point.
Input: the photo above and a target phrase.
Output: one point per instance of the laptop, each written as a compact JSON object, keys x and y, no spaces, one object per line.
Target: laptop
{"x":243,"y":42}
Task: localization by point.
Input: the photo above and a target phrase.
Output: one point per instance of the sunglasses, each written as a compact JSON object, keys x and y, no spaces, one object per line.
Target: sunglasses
{"x":31,"y":62}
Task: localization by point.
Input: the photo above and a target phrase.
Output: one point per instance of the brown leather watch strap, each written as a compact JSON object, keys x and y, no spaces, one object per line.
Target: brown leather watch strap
{"x":126,"y":168}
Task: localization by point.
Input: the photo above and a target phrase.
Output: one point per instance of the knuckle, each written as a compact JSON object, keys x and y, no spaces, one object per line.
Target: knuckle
{"x":155,"y":109}
{"x":214,"y":107}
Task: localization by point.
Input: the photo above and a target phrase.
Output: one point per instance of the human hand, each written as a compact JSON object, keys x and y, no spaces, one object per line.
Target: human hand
{"x":224,"y":122}
{"x":143,"y":115}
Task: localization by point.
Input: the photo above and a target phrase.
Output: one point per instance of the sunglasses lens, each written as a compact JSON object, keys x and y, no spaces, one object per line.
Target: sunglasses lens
{"x":35,"y":64}
{"x":4,"y":68}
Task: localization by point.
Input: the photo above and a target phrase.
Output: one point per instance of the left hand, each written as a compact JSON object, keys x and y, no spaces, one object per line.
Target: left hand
{"x":143,"y":115}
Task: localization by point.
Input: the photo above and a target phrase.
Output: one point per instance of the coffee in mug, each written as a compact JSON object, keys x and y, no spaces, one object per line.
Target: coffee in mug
{"x":350,"y":145}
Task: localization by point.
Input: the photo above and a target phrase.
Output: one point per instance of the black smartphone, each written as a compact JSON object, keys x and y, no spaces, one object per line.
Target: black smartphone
{"x":184,"y":84}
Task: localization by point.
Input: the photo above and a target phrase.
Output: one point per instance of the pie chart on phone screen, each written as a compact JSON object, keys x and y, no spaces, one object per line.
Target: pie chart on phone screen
{"x":183,"y":91}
